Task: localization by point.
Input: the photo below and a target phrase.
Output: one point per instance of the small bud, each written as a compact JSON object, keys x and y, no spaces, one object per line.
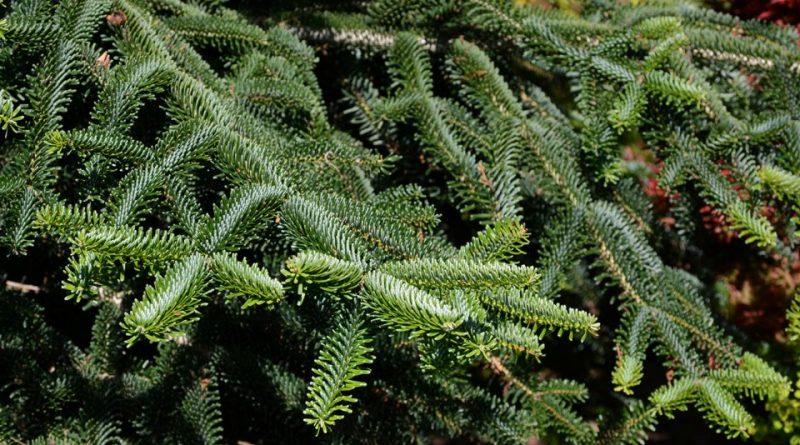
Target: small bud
{"x":117,"y":18}
{"x":104,"y":61}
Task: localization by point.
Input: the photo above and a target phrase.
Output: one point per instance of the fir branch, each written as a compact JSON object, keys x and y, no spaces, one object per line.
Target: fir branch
{"x":407,"y":308}
{"x":170,"y":303}
{"x":457,"y":273}
{"x":237,"y":278}
{"x":343,"y":359}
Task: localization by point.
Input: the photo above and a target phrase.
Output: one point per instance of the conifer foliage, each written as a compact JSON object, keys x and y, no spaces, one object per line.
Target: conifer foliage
{"x":364,"y":222}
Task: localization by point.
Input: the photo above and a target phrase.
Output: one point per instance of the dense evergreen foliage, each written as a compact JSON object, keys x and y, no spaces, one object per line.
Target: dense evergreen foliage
{"x":389,"y":221}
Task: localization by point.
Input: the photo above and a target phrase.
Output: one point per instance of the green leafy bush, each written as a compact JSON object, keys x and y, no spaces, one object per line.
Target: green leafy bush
{"x":382,"y":240}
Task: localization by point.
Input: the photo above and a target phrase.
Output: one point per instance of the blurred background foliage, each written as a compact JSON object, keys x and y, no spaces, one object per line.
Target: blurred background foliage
{"x":752,"y":291}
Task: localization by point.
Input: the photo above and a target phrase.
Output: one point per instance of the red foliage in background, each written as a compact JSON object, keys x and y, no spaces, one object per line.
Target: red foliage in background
{"x":782,"y":12}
